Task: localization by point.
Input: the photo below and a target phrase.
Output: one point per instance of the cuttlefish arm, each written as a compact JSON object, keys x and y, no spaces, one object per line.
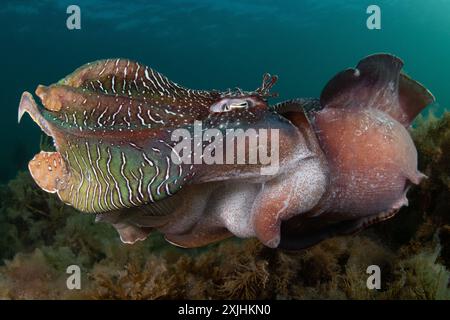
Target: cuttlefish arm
{"x":48,"y":169}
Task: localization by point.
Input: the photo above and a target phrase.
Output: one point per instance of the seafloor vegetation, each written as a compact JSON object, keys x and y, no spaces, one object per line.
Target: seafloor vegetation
{"x":40,"y":237}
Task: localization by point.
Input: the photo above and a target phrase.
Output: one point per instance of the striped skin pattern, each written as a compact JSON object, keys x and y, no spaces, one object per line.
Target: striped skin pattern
{"x":112,"y":121}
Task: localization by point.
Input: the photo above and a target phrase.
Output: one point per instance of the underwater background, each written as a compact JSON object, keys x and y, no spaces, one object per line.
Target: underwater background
{"x":216,"y":45}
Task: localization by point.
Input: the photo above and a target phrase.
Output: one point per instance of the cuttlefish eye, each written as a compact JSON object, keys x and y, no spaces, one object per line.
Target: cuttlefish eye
{"x":226,"y":105}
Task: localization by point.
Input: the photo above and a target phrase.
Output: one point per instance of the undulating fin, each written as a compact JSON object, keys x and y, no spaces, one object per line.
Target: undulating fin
{"x":130,"y":233}
{"x":48,"y":170}
{"x":162,"y":207}
{"x":200,"y":236}
{"x":414,"y":97}
{"x":303,"y":232}
{"x":312,"y":231}
{"x":377,"y":82}
{"x":135,"y":217}
{"x":125,"y":77}
{"x":121,"y":221}
{"x":301,"y":104}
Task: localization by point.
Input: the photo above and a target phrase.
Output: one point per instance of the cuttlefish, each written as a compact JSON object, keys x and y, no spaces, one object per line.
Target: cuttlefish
{"x":344,"y":161}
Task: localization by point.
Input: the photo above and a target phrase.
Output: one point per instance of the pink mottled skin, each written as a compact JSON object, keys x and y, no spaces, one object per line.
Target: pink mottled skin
{"x":371,"y":157}
{"x":361,"y":127}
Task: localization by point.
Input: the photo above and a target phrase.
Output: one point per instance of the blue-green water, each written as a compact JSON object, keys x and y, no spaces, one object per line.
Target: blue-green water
{"x":213,"y":45}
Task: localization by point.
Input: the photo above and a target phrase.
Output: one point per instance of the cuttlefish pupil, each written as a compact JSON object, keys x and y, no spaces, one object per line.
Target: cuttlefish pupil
{"x":346,"y":160}
{"x":229,"y":104}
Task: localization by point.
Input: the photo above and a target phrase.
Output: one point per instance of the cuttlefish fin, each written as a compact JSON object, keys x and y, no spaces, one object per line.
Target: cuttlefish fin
{"x":49,"y":171}
{"x":126,"y":73}
{"x":161,"y":208}
{"x":377,"y":82}
{"x":128,"y":231}
{"x":413,"y":97}
{"x":199,"y":236}
{"x":135,"y":224}
{"x":304,"y":233}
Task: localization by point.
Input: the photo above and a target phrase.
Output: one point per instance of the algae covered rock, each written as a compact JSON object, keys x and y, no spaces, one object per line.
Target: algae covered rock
{"x":40,"y":237}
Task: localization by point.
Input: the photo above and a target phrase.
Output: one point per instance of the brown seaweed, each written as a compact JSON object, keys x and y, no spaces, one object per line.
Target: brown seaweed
{"x":40,"y":237}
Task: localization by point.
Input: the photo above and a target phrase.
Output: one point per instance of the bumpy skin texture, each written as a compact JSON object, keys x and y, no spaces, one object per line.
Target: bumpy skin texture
{"x":361,"y":122}
{"x":344,"y":162}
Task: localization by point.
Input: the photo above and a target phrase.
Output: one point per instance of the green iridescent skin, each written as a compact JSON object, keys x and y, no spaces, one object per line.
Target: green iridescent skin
{"x":112,"y":122}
